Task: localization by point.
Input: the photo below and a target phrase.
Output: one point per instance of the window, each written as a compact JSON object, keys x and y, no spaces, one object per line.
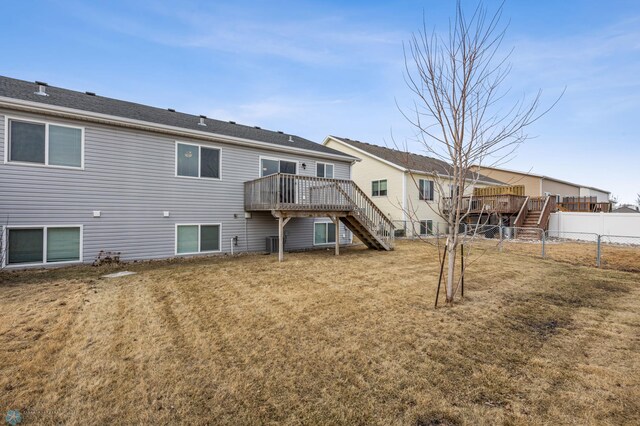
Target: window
{"x":191,"y":239}
{"x":453,"y":191}
{"x":270,"y":166}
{"x":324,"y":233}
{"x":197,"y":161}
{"x":43,"y":245}
{"x":426,"y":227}
{"x":44,"y":143}
{"x":379,"y":188}
{"x":324,"y":170}
{"x":426,"y":189}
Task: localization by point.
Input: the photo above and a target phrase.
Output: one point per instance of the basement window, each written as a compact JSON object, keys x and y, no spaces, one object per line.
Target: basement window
{"x":198,"y":238}
{"x":45,"y":144}
{"x":43,"y":245}
{"x":426,"y":227}
{"x":324,"y":233}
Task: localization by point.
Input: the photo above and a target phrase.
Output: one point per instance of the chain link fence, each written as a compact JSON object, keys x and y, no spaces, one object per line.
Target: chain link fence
{"x":578,"y":248}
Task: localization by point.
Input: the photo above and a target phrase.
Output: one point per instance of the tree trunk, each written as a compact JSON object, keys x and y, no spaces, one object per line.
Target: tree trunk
{"x":451,"y":270}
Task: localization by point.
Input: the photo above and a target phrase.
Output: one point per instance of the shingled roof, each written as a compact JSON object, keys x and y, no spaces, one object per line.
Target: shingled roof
{"x":409,"y":160}
{"x":87,"y":101}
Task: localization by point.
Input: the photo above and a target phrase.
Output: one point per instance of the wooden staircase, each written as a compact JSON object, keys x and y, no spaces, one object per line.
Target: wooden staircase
{"x":533,"y":218}
{"x":287,"y":196}
{"x":355,"y":223}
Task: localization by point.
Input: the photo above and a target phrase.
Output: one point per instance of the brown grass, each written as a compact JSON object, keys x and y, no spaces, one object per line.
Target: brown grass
{"x":612,"y":256}
{"x":352,"y":339}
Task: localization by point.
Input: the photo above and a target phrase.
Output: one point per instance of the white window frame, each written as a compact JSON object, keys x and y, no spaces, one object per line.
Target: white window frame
{"x":326,"y":224}
{"x":278,"y":159}
{"x":426,"y":227}
{"x":199,"y":225}
{"x":44,"y":228}
{"x":200,"y":146}
{"x":426,"y":197}
{"x":380,"y":180}
{"x":47,"y":123}
{"x":325,"y":169}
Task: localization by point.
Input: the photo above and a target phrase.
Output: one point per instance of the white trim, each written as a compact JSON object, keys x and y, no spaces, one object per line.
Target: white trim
{"x":200,"y":146}
{"x":325,"y":222}
{"x":379,"y":180}
{"x":46,"y":123}
{"x":199,"y":225}
{"x":325,"y":169}
{"x":426,"y":227}
{"x":44,"y":262}
{"x":422,"y":193}
{"x":389,"y":163}
{"x":162,"y":128}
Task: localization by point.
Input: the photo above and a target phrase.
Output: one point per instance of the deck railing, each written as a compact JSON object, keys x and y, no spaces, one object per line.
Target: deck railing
{"x":287,"y":192}
{"x":506,"y":203}
{"x":583,"y":204}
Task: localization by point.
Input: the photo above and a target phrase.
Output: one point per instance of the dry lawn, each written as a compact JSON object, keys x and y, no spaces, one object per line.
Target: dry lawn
{"x":321,"y":339}
{"x":612,"y":256}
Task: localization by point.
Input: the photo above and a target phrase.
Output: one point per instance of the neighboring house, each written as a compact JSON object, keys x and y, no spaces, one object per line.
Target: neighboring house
{"x":403,"y":185}
{"x":626,"y":208}
{"x":84,"y":174}
{"x":540,"y":186}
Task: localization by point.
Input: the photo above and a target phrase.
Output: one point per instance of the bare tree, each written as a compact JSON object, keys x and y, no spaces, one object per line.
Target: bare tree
{"x":460,"y":111}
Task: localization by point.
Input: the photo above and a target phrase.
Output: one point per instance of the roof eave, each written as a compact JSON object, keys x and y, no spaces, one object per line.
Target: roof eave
{"x":72,"y":113}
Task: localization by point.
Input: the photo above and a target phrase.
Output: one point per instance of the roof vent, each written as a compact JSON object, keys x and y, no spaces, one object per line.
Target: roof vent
{"x":290,"y":138}
{"x":202,"y":123}
{"x":42,"y":88}
{"x":90,"y":93}
{"x":281,"y":132}
{"x":171,"y":110}
{"x":256,"y":127}
{"x":232,"y":122}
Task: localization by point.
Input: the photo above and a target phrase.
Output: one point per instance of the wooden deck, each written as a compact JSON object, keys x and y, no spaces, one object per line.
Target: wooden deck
{"x":287,"y":196}
{"x":583,"y":204}
{"x":502,"y":204}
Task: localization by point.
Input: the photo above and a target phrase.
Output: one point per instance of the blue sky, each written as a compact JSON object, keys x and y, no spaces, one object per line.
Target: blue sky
{"x":335,"y":67}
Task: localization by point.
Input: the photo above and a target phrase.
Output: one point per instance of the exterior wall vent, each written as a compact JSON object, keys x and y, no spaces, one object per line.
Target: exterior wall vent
{"x":202,"y":123}
{"x":42,"y":89}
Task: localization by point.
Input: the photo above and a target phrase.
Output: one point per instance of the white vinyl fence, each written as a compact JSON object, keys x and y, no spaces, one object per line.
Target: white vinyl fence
{"x":566,"y":223}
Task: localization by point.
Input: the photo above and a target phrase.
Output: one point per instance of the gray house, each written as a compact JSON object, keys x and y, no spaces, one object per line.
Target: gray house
{"x":83,"y":174}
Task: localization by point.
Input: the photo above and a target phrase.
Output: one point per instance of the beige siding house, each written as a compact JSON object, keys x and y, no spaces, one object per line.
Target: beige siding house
{"x":539,"y":185}
{"x":406,"y":187}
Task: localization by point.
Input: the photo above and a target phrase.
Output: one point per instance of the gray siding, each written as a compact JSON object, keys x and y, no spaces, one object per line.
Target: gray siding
{"x":130,"y":177}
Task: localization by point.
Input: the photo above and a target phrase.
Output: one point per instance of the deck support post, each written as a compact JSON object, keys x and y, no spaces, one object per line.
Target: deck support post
{"x":336,"y":221}
{"x":281,"y":223}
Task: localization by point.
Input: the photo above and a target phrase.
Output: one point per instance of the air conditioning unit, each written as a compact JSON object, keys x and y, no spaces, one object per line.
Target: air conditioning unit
{"x":272,"y":244}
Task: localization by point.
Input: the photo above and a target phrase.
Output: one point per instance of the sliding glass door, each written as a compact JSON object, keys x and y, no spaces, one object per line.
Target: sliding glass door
{"x":287,"y":185}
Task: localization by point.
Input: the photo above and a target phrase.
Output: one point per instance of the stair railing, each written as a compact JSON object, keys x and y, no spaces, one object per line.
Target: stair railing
{"x":522,"y":214}
{"x":549,"y":206}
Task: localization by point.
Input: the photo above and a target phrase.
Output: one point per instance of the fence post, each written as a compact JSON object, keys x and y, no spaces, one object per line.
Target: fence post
{"x":500,"y":233}
{"x":543,"y":243}
{"x":598,"y":253}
